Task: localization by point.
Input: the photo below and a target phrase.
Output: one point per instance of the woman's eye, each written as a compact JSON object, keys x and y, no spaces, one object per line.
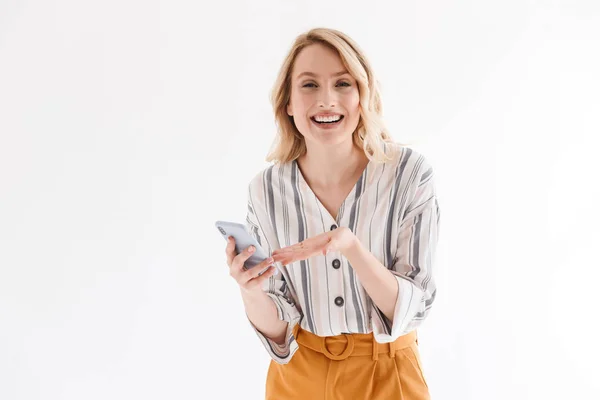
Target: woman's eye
{"x":310,"y":84}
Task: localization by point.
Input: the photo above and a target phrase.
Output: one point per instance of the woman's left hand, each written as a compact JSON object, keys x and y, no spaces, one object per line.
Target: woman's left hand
{"x":339,"y":239}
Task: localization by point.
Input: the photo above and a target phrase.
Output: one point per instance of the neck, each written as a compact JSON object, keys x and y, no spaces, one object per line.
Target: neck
{"x":332,"y":165}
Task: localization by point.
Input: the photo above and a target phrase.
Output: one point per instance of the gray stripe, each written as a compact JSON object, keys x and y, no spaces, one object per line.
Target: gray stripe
{"x":426,"y":176}
{"x":384,"y":321}
{"x":388,"y":256}
{"x":415,"y":248}
{"x":267,"y":246}
{"x":429,"y":260}
{"x":256,"y":235}
{"x":338,"y":217}
{"x":252,"y":225}
{"x":270,"y":198}
{"x":284,"y":207}
{"x":415,"y":207}
{"x":413,"y":173}
{"x":429,"y":302}
{"x":375,"y":208}
{"x":360,"y":312}
{"x":288,"y":290}
{"x":282,"y":357}
{"x":369,"y":301}
{"x":304,"y":272}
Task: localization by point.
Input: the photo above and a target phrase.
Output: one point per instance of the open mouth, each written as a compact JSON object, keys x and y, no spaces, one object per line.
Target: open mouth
{"x":333,"y":120}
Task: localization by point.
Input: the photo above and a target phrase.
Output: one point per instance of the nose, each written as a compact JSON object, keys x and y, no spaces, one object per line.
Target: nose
{"x":327,"y":97}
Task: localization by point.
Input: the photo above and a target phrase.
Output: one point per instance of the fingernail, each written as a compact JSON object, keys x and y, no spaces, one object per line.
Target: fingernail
{"x":270,"y":260}
{"x":251,"y":249}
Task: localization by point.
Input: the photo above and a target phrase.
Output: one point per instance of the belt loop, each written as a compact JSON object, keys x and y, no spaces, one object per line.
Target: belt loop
{"x":375,"y":349}
{"x":392,"y":349}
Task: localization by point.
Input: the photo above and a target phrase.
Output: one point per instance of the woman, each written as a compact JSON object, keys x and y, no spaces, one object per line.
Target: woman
{"x":351,"y":221}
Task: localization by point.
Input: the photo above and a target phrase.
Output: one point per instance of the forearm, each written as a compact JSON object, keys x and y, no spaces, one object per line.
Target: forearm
{"x":262,"y":313}
{"x":379,"y":283}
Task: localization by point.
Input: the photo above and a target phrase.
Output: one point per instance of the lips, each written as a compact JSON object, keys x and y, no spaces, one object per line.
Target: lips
{"x":328,"y":123}
{"x":327,"y":126}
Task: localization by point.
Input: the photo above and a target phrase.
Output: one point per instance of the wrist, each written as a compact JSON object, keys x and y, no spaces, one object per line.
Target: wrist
{"x":353,"y":247}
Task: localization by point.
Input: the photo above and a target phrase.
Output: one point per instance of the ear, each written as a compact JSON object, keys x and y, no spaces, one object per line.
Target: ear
{"x":289,"y":109}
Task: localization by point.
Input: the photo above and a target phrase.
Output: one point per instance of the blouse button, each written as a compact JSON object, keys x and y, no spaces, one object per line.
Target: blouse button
{"x":334,"y":226}
{"x":336,"y":263}
{"x":339,"y":301}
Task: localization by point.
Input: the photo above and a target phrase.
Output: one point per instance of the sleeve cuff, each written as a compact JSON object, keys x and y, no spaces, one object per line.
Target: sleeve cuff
{"x":408,"y":306}
{"x":281,"y":353}
{"x":285,"y":311}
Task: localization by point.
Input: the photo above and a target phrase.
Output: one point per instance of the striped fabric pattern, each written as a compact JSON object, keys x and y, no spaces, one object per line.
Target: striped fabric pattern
{"x":392,"y":209}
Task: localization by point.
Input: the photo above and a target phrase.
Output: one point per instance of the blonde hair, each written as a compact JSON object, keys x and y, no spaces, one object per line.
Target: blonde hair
{"x":370,"y":134}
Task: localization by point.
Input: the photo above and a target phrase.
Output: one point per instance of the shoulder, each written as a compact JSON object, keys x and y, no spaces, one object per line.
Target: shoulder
{"x":265,"y":175}
{"x":414,"y":180}
{"x":411,"y":179}
{"x":408,"y":160}
{"x":267,"y":180}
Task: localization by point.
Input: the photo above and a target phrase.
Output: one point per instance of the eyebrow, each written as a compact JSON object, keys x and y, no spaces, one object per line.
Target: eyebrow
{"x":315,"y":75}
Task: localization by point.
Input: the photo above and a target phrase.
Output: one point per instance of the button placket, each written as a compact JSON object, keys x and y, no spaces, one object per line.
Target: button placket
{"x":336,"y":264}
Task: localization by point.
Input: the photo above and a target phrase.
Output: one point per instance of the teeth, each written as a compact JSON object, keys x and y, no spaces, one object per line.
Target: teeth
{"x":332,"y":118}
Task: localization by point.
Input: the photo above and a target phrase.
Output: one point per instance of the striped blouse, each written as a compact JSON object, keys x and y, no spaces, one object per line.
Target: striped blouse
{"x":392,"y":209}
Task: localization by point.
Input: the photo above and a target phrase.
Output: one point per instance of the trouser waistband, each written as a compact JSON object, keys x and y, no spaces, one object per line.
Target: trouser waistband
{"x":343,"y":346}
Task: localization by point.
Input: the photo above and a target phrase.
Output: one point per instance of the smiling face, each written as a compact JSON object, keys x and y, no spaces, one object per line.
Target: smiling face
{"x":324,"y":98}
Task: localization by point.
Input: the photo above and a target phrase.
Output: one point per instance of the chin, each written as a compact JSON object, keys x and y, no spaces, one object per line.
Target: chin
{"x":331,"y":138}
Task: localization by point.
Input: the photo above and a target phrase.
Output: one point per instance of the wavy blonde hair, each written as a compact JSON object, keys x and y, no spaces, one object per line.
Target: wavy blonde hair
{"x":370,"y":133}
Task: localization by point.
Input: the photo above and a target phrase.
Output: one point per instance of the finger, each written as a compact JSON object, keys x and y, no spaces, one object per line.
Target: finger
{"x":237,"y":266}
{"x":260,"y":279}
{"x":311,"y":245}
{"x":301,"y":245}
{"x":267,"y":274}
{"x":230,"y":250}
{"x":281,"y":258}
{"x":253,"y":272}
{"x":298,"y":247}
{"x":328,"y":246}
{"x":286,"y":259}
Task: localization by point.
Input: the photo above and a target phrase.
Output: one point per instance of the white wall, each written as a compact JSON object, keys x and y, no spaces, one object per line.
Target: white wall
{"x":128,"y":127}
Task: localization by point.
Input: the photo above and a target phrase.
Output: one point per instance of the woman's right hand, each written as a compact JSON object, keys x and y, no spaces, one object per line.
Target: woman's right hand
{"x":248,"y":280}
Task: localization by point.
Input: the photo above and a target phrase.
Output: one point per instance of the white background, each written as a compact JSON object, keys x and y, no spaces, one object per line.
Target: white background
{"x":128,"y":127}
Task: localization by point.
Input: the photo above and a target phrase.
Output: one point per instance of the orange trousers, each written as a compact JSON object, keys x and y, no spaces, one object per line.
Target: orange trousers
{"x":349,"y":367}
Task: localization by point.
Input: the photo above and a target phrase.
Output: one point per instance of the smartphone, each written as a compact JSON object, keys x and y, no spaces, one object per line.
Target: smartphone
{"x":242,"y":240}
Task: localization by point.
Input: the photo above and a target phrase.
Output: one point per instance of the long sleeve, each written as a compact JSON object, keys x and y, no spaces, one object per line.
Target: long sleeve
{"x":413,"y":263}
{"x":277,"y":289}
